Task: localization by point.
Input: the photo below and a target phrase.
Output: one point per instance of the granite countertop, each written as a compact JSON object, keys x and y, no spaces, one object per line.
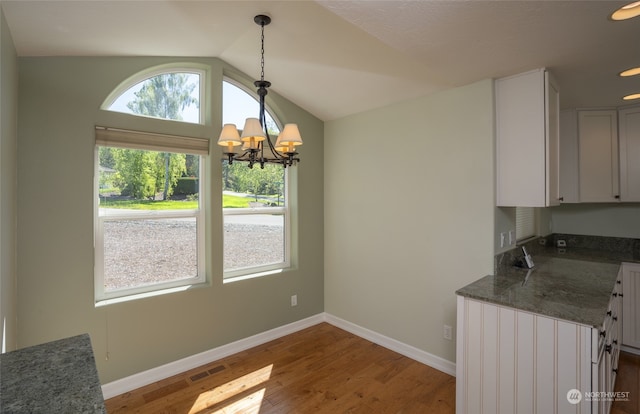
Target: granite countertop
{"x":56,"y":377}
{"x":574,"y":286}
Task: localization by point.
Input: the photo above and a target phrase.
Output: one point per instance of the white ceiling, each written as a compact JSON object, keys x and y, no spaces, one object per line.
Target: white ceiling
{"x":336,"y":58}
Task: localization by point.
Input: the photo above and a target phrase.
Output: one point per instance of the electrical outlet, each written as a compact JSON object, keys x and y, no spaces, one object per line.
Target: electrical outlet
{"x":502,"y":237}
{"x":512,"y":238}
{"x":294,"y":300}
{"x":448,"y":333}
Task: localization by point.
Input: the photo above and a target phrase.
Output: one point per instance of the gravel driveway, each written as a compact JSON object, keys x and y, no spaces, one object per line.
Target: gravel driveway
{"x":140,"y":252}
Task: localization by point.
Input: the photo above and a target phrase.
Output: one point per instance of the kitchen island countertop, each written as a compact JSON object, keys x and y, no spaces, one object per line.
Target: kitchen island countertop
{"x":55,"y":377}
{"x":571,"y":289}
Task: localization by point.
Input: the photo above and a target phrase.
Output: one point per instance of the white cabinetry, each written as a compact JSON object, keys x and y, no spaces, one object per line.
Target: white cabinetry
{"x":569,"y":162}
{"x":527,"y":140}
{"x":512,"y":361}
{"x":598,"y":156}
{"x":631,"y":305}
{"x":605,"y":367}
{"x":629,"y":130}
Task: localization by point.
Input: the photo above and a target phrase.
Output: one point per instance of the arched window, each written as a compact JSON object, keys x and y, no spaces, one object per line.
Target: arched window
{"x":149,"y":219}
{"x":171,"y":94}
{"x":255,"y":207}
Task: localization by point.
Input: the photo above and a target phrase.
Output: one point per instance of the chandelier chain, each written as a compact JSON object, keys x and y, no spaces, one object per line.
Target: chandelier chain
{"x":262,"y":53}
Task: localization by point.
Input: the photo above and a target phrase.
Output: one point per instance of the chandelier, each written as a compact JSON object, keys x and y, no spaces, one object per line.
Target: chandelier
{"x":255,"y":142}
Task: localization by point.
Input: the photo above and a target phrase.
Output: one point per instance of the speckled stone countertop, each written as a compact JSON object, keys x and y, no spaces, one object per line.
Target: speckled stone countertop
{"x":56,"y":377}
{"x":576,"y":289}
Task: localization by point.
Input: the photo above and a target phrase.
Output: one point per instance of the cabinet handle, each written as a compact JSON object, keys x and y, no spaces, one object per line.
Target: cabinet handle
{"x":609,"y":313}
{"x":603,"y":333}
{"x":620,"y":294}
{"x":618,"y":281}
{"x":615,"y":318}
{"x":608,"y":348}
{"x":615,"y":295}
{"x":615,"y":370}
{"x":617,"y":197}
{"x":615,"y":342}
{"x":561,"y":199}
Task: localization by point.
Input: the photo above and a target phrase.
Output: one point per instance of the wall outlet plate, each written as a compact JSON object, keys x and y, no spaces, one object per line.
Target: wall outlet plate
{"x":448,"y":333}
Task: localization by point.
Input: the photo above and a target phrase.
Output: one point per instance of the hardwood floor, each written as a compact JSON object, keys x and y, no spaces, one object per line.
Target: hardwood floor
{"x":322,"y":369}
{"x":628,"y":381}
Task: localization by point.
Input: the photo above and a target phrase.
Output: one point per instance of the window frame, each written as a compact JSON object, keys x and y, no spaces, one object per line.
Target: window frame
{"x":100,"y":293}
{"x":142,"y":76}
{"x":286,"y":215}
{"x":285,"y":210}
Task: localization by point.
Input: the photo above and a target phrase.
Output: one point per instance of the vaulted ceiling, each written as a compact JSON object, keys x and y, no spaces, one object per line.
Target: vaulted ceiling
{"x":336,"y":58}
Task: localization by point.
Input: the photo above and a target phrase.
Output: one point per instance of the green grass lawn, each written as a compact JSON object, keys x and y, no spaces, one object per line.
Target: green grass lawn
{"x":150,"y":204}
{"x":228,"y":201}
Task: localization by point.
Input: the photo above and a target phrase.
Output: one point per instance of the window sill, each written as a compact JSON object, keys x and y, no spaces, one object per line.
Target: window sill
{"x":112,"y":301}
{"x":233,"y":279}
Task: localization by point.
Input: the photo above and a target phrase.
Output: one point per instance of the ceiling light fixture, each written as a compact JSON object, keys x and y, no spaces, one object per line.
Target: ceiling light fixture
{"x":255,"y":133}
{"x":631,"y":97}
{"x":627,"y":12}
{"x":630,"y":72}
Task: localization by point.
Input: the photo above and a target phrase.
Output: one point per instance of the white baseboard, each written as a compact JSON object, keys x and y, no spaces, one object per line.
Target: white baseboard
{"x":409,"y":351}
{"x":141,"y":379}
{"x":630,"y":350}
{"x":152,"y":375}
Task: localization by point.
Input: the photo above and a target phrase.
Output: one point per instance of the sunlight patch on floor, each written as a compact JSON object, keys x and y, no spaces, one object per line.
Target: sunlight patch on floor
{"x":247,"y":405}
{"x":232,"y":388}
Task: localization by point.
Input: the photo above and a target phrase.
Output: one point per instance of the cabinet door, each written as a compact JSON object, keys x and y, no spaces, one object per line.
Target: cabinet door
{"x":629,"y":130}
{"x":569,"y":169}
{"x":598,"y":154}
{"x":520,"y":148}
{"x":552,"y":103}
{"x":527,"y":145}
{"x":512,"y":361}
{"x":631,"y":305}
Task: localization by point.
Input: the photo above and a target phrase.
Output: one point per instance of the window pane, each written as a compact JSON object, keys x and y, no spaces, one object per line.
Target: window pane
{"x":137,"y":179}
{"x":174,"y":96}
{"x":253,"y":240}
{"x":148,"y":219}
{"x":143,"y":252}
{"x":245,"y":187}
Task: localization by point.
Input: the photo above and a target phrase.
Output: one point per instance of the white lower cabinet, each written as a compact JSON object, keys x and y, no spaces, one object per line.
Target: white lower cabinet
{"x":511,"y":361}
{"x":631,"y":305}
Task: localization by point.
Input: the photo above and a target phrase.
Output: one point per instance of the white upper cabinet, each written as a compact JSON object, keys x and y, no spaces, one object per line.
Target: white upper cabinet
{"x":629,"y":130}
{"x":527,"y":140}
{"x":569,"y":162}
{"x":598,"y":156}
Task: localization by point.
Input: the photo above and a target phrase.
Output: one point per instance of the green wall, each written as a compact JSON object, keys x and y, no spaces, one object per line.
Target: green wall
{"x":409,"y":213}
{"x":8,"y":189}
{"x":59,"y":100}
